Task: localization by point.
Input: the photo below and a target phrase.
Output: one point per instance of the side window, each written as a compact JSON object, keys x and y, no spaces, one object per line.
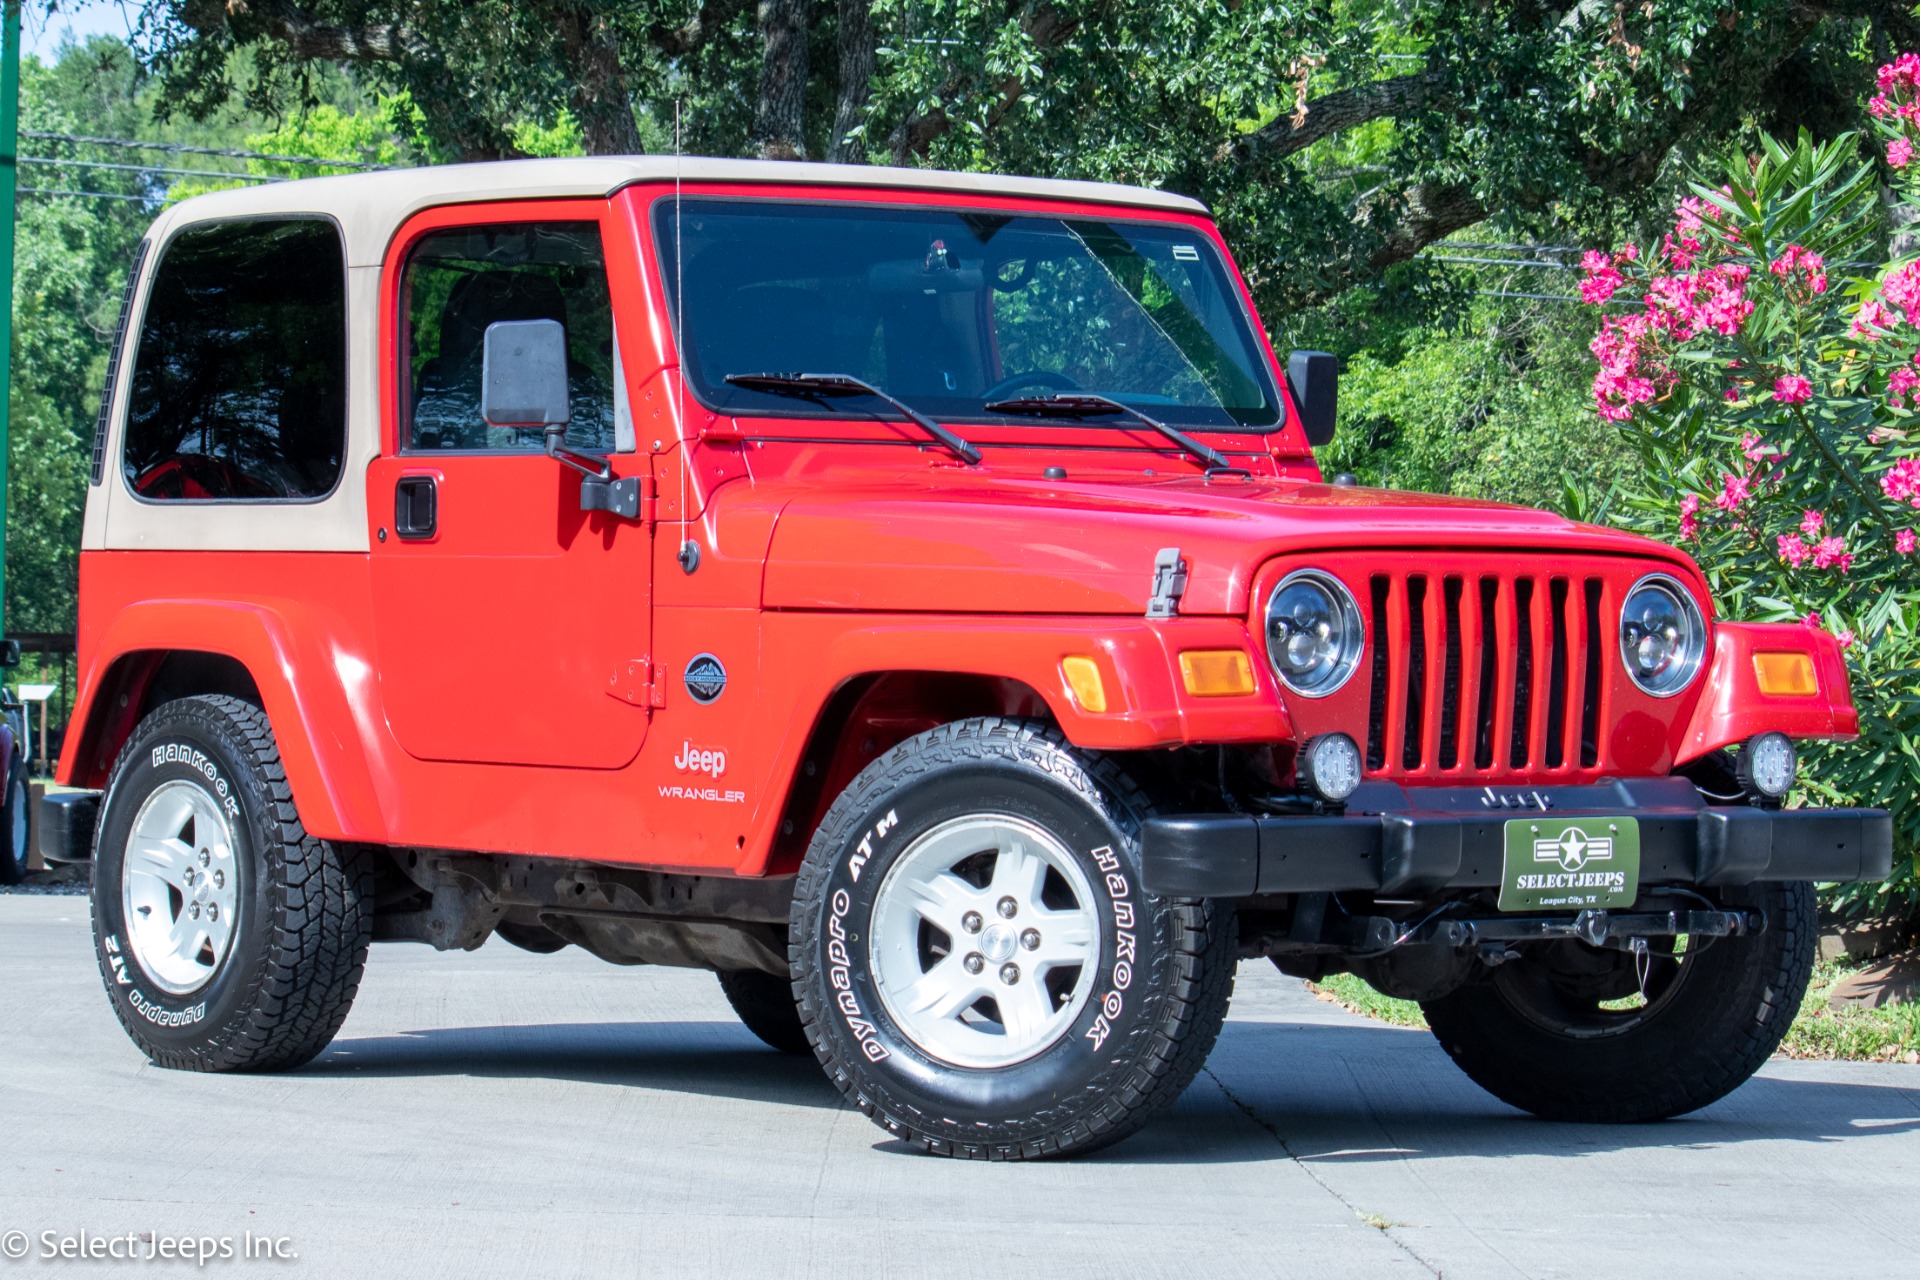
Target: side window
{"x":460,"y":281}
{"x":239,"y":387}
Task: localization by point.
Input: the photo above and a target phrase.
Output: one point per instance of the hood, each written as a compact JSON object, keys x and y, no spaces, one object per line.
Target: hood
{"x":983,"y":544}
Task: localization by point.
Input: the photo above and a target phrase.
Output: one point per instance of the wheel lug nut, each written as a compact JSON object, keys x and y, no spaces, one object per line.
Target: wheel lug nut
{"x":193,"y":909}
{"x":1009,"y":908}
{"x":186,"y":877}
{"x":975,"y":962}
{"x":1030,"y":939}
{"x":971,"y":922}
{"x":206,"y":858}
{"x":1009,"y":973}
{"x":213,"y":911}
{"x":219,"y":879}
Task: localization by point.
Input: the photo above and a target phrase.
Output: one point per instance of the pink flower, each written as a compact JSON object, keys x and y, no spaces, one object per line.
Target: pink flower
{"x":1791,"y":389}
{"x":1690,"y":516}
{"x":1734,"y":490}
{"x":1754,"y":447}
{"x":1810,"y":265}
{"x":1903,"y":542}
{"x":1846,"y":639}
{"x":1812,"y":522}
{"x":1601,"y":279}
{"x":1792,"y":550}
{"x":1902,"y":289}
{"x":1900,"y":384}
{"x":1902,"y":482}
{"x":1829,"y":553}
{"x":1813,"y":622}
{"x":1899,"y":153}
{"x":1870,"y":318}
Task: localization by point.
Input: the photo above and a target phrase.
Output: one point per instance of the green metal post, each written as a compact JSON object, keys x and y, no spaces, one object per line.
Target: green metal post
{"x":9,"y":184}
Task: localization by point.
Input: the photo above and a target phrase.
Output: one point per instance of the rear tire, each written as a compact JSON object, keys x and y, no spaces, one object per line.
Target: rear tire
{"x":766,"y":1006}
{"x":229,"y":938}
{"x":979,"y":970}
{"x":14,"y":853}
{"x":1535,"y":1032}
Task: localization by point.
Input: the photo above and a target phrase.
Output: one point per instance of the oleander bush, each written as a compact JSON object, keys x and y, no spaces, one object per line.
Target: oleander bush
{"x":1761,"y":358}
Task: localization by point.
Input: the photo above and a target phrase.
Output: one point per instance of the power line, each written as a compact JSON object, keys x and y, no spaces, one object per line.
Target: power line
{"x":185,"y":149}
{"x":94,"y":195}
{"x":147,"y":168}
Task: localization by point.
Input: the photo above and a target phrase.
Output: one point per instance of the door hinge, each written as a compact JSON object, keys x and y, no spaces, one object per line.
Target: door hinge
{"x":1169,"y":584}
{"x":649,"y":499}
{"x":639,"y":683}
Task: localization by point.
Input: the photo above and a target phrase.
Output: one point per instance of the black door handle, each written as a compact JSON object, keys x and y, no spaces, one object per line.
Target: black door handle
{"x":416,"y":507}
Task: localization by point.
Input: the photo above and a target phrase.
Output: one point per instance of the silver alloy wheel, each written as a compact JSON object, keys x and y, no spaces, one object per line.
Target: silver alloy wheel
{"x":985,"y":941}
{"x":179,"y":893}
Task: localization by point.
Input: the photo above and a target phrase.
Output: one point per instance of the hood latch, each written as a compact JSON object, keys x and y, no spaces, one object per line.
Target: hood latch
{"x":1169,"y":584}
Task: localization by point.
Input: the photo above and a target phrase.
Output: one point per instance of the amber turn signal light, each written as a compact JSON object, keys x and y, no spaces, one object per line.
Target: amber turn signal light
{"x":1216,"y":673}
{"x":1785,"y":675}
{"x":1083,"y":677}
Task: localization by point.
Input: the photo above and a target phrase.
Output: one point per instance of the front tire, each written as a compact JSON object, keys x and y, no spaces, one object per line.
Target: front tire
{"x":1548,"y":1033}
{"x":229,"y":939}
{"x":976,"y":964}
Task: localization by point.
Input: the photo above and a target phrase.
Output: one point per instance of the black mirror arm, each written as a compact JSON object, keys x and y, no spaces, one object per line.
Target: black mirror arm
{"x":592,"y":468}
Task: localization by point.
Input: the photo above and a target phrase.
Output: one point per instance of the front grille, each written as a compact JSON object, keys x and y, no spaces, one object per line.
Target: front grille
{"x":1491,"y":673}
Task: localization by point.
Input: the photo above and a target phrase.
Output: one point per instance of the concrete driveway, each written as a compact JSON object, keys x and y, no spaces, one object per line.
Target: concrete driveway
{"x":504,"y":1114}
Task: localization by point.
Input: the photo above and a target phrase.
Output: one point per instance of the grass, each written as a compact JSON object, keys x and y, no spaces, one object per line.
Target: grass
{"x":1890,"y":1034}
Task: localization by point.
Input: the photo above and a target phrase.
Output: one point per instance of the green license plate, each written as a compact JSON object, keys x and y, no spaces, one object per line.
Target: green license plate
{"x":1570,"y":864}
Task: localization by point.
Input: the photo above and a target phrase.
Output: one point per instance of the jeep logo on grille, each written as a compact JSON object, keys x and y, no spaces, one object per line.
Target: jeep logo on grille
{"x":706,"y":679}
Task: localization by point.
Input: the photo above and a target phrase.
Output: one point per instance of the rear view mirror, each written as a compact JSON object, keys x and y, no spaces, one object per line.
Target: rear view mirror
{"x":1315,"y":378}
{"x":523,"y":374}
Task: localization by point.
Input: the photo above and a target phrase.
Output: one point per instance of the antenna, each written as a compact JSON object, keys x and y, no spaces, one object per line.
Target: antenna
{"x":689,"y":555}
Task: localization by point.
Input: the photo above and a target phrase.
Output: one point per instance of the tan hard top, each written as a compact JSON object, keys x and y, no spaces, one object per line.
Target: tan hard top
{"x":370,"y":206}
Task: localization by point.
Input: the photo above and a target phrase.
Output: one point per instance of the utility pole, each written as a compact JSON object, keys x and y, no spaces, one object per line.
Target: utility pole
{"x":9,"y":196}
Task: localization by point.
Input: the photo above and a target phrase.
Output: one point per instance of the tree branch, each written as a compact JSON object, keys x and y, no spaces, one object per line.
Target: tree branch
{"x":1333,"y":112}
{"x":676,"y":40}
{"x":305,"y":38}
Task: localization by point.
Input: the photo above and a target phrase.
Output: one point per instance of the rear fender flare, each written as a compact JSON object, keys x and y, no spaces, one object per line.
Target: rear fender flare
{"x":320,"y":696}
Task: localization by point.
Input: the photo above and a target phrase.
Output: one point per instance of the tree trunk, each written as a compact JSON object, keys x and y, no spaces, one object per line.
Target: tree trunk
{"x":601,"y":102}
{"x":779,"y":117}
{"x":856,"y":80}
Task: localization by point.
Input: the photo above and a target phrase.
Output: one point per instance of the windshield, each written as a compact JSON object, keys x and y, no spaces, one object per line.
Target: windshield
{"x":952,"y":310}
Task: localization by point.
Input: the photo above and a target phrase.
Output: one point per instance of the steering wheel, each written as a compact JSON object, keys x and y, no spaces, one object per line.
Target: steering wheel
{"x":1031,"y":378}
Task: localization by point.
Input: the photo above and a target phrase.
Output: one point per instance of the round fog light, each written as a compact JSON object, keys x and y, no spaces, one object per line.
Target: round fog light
{"x":1767,"y":765}
{"x":1329,"y":766}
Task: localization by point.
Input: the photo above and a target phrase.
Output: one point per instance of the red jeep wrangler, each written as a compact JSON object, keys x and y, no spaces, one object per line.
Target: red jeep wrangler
{"x":912,"y":597}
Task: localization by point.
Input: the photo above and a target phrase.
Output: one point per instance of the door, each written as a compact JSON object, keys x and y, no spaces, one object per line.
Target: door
{"x":512,"y":625}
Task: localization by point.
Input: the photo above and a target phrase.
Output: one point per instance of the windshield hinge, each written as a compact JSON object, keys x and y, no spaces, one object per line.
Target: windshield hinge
{"x":1169,"y":584}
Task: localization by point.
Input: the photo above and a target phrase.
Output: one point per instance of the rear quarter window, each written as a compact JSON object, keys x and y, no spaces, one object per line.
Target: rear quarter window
{"x":239,"y":387}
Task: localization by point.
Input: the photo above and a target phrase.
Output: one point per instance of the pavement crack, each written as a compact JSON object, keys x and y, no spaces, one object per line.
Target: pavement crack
{"x":1372,"y":1220}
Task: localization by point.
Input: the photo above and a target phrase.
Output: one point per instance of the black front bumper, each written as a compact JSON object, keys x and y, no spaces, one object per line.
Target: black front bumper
{"x":1406,"y":841}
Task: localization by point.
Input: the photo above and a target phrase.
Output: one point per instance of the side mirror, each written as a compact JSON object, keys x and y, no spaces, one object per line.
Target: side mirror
{"x":523,"y":375}
{"x":523,"y":383}
{"x":9,"y":653}
{"x":1315,"y":377}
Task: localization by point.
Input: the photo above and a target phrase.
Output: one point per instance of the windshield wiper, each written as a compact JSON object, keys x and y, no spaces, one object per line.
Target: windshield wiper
{"x":1086,"y":405}
{"x":827,"y":386}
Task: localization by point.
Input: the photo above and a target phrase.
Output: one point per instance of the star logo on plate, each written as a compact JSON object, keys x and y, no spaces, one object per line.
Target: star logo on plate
{"x":1573,"y":849}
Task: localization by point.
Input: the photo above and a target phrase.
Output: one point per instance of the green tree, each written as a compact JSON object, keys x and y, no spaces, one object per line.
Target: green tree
{"x":1335,"y":140}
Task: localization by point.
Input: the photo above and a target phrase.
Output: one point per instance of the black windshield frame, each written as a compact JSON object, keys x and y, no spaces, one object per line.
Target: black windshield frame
{"x":1251,"y":358}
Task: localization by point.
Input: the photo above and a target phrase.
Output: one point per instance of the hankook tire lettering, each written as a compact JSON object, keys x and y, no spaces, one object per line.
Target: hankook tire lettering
{"x":1125,"y":946}
{"x":195,"y":759}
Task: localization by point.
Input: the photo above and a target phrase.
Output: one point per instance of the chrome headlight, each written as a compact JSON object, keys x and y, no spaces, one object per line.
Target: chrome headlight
{"x":1663,"y":635}
{"x":1314,"y":636}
